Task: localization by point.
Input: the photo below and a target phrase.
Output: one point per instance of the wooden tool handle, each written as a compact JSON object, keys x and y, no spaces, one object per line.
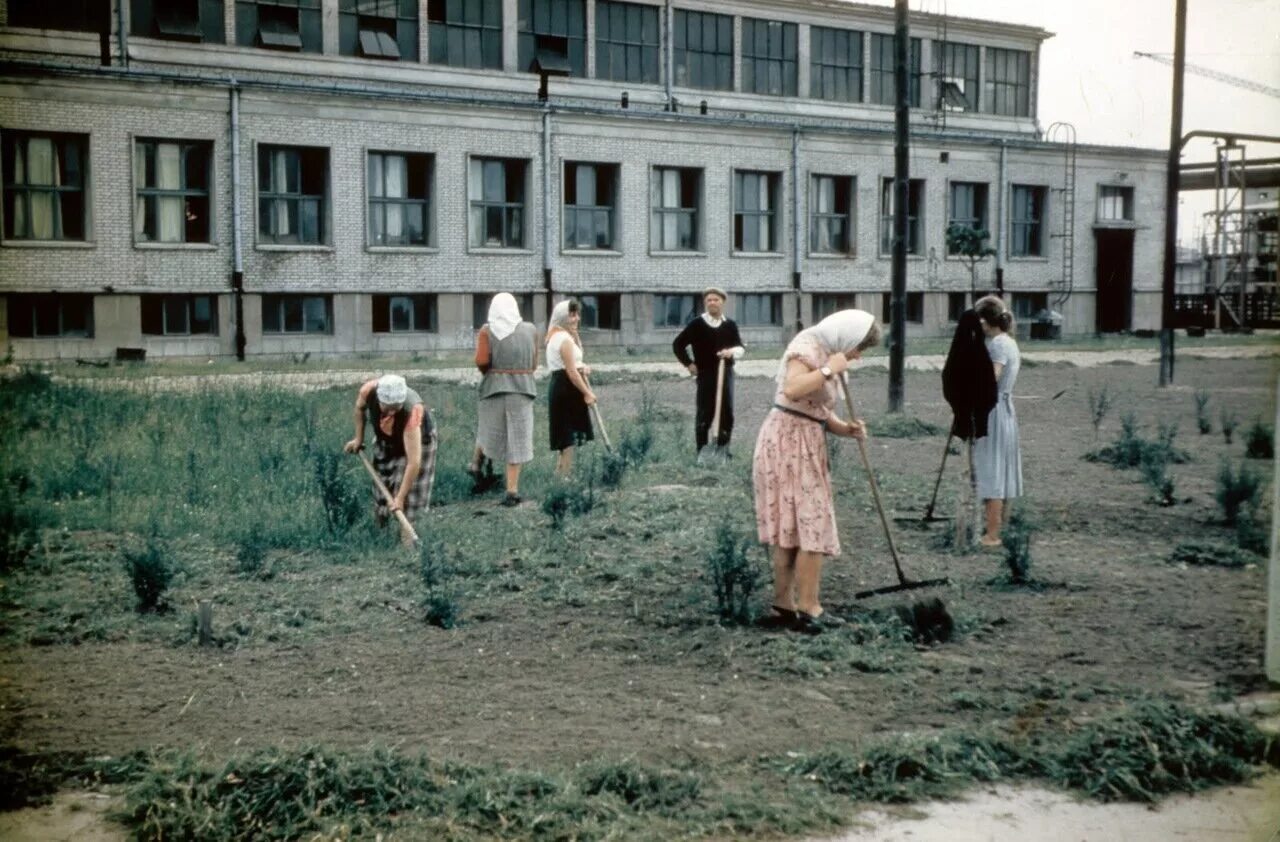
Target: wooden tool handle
{"x":715,"y":419}
{"x":871,"y":477}
{"x":391,"y":501}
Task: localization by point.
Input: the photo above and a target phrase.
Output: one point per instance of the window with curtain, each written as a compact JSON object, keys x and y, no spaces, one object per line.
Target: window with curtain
{"x":601,"y":311}
{"x":882,"y":70}
{"x":967,"y":206}
{"x":674,"y":196}
{"x":399,"y":185}
{"x":297,"y":314}
{"x":628,"y":40}
{"x":44,"y":186}
{"x":914,"y":309}
{"x":1026,"y":221}
{"x":465,"y":34}
{"x":386,"y":29}
{"x":758,"y":309}
{"x":179,"y":315}
{"x":72,"y":15}
{"x":835,"y":64}
{"x":50,"y":315}
{"x":590,"y":197}
{"x":404,"y":314}
{"x":957,"y":303}
{"x":292,"y":194}
{"x":956,"y":66}
{"x":496,"y":187}
{"x":675,"y":310}
{"x":292,"y":25}
{"x":178,"y":20}
{"x":480,"y":307}
{"x":755,"y":211}
{"x":915,"y":210}
{"x":826,"y":303}
{"x":555,"y":29}
{"x":769,"y":57}
{"x":1025,"y":305}
{"x":1115,"y":203}
{"x":171,"y":185}
{"x":831,"y":201}
{"x":703,"y":50}
{"x":1007,"y":89}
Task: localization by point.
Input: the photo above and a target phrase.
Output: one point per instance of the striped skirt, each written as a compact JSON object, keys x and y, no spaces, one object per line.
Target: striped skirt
{"x":391,"y":471}
{"x":506,"y":428}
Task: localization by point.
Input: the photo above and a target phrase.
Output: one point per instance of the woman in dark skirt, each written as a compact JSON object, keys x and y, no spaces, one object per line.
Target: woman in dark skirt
{"x":569,"y":395}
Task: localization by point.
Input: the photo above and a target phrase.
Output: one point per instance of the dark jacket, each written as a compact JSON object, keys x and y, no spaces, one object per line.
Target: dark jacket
{"x":969,"y":379}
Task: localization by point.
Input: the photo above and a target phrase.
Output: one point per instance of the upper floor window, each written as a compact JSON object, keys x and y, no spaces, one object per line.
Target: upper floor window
{"x":967,"y":206}
{"x":768,"y":57}
{"x":279,"y":25}
{"x":76,"y":15}
{"x":674,"y":310}
{"x":404,"y":314}
{"x":755,"y":211}
{"x":496,"y":189}
{"x":399,"y":186}
{"x":602,"y":312}
{"x":835,"y":64}
{"x":882,"y":70}
{"x":956,"y":66}
{"x":703,"y":50}
{"x":51,"y":315}
{"x":480,"y":307}
{"x":915,"y":213}
{"x":293,"y":194}
{"x":1026,"y":221}
{"x":674,"y":197}
{"x":831,"y":199}
{"x":553,"y":29}
{"x":379,"y":29}
{"x":178,"y":20}
{"x":627,"y":42}
{"x":179,"y":315}
{"x":171,"y":185}
{"x":590,"y":197}
{"x":1008,"y":83}
{"x":1115,"y":203}
{"x":465,"y":34}
{"x":759,"y":309}
{"x":44,"y":186}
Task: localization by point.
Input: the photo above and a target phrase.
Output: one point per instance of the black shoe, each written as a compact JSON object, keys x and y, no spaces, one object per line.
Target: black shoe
{"x":512,"y":499}
{"x":778,"y":618}
{"x":809,"y":624}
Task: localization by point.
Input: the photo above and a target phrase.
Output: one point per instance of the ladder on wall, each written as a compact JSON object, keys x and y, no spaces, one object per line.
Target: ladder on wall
{"x":1065,"y":134}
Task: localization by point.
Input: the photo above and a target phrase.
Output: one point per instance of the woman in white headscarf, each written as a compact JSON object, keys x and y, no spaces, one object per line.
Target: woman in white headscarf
{"x":507,"y":355}
{"x":795,"y":510}
{"x":568,"y":395}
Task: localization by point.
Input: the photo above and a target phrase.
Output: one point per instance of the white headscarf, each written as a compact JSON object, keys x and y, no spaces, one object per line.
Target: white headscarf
{"x":842,"y":331}
{"x":504,"y":315}
{"x":560,"y":315}
{"x":392,"y":389}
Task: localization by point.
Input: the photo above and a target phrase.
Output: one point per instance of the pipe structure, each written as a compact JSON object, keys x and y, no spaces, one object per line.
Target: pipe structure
{"x":669,"y":57}
{"x":122,"y":34}
{"x":901,"y":175}
{"x":1002,"y":176}
{"x":797,"y":228}
{"x":1171,"y":195}
{"x":237,"y":248}
{"x":546,"y":206}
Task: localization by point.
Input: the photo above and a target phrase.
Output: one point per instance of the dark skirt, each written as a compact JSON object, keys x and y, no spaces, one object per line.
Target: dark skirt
{"x":570,"y":418}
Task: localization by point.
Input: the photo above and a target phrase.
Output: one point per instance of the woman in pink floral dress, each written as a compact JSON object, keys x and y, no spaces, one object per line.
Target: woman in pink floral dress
{"x":795,"y":511}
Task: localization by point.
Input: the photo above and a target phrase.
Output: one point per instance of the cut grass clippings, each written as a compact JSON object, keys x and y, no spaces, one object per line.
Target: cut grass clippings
{"x":1203,"y":554}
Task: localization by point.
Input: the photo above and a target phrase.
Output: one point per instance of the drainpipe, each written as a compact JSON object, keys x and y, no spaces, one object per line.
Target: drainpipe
{"x":122,"y":34}
{"x":1000,"y":220}
{"x":670,"y":58}
{"x":797,"y":229}
{"x":546,"y":205}
{"x":237,"y":261}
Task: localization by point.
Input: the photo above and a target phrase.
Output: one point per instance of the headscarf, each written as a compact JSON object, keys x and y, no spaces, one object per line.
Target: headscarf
{"x":842,"y":331}
{"x":504,"y":315}
{"x":392,"y":389}
{"x":559,"y":321}
{"x":968,"y":379}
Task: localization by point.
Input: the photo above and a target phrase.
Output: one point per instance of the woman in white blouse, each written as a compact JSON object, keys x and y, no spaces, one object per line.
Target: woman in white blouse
{"x":569,"y":394}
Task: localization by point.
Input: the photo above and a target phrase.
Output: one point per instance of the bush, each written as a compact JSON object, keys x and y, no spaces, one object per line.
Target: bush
{"x":342,"y":503}
{"x":1203,"y":421}
{"x":640,"y":787}
{"x":1236,"y":490}
{"x":569,"y":498}
{"x":1130,"y":449}
{"x":1016,"y":538}
{"x":151,"y":570}
{"x":636,"y":443}
{"x":613,"y":467}
{"x":251,"y":552}
{"x":1253,"y":533}
{"x":440,"y":608}
{"x":1099,"y":404}
{"x":1155,"y":470}
{"x":1259,"y":442}
{"x":1229,"y":422}
{"x":734,"y":579}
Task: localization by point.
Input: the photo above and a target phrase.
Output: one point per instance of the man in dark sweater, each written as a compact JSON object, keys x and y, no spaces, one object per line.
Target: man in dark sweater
{"x":712,"y":337}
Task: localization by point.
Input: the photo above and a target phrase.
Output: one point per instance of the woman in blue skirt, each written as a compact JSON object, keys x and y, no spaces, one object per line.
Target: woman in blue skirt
{"x":997,"y":456}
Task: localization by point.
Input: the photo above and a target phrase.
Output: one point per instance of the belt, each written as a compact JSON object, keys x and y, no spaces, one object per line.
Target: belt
{"x":797,"y":413}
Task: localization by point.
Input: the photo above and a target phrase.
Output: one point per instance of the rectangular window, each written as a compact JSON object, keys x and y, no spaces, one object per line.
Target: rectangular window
{"x":826,"y":303}
{"x":465,"y":34}
{"x":44,"y":186}
{"x":297,"y":314}
{"x":956,"y":66}
{"x":675,"y":197}
{"x":831,"y":214}
{"x":675,"y":310}
{"x":703,"y":50}
{"x":957,"y":303}
{"x":171,"y":186}
{"x":759,"y":309}
{"x":915,"y":212}
{"x":555,"y":31}
{"x":1115,"y":204}
{"x":496,"y":191}
{"x":755,"y":211}
{"x":178,"y":20}
{"x":404,"y":314}
{"x":480,"y":307}
{"x":292,"y":25}
{"x":590,"y":198}
{"x":915,"y":308}
{"x":1025,"y":305}
{"x":967,"y":206}
{"x":72,"y":15}
{"x":768,"y":57}
{"x":1026,"y":222}
{"x":179,"y":315}
{"x":882,"y":70}
{"x":386,"y":29}
{"x":399,"y":185}
{"x":292,"y":194}
{"x":50,"y":315}
{"x":835,"y":64}
{"x":602,"y":312}
{"x":1008,"y":83}
{"x":628,"y":40}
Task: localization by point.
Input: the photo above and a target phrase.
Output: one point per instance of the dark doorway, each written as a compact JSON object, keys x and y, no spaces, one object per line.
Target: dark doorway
{"x":1115,"y":279}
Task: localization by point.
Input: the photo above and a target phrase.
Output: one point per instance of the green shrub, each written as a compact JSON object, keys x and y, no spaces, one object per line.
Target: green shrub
{"x":1099,"y":405}
{"x":1203,"y":422}
{"x":1259,"y":442}
{"x":1155,"y":471}
{"x":1229,"y":421}
{"x":569,"y":498}
{"x":338,"y":495}
{"x":734,"y":579}
{"x":1016,"y":537}
{"x":1236,"y":490}
{"x":251,"y":552}
{"x":636,"y":443}
{"x":151,"y":571}
{"x":1204,"y":554}
{"x":433,"y":564}
{"x":900,"y":426}
{"x":1253,"y":533}
{"x":640,"y":787}
{"x":613,"y":467}
{"x":441,"y":608}
{"x":1130,"y":449}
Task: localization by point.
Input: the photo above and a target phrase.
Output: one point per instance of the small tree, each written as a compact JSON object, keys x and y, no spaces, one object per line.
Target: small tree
{"x":971,"y":244}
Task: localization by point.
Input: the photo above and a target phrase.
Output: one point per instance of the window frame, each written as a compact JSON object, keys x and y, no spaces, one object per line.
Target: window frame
{"x":282,"y":299}
{"x":155,"y":194}
{"x":448,"y":39}
{"x":543,"y":26}
{"x":980,"y":216}
{"x":591,"y":303}
{"x":876,"y":92}
{"x":1022,"y":304}
{"x":662,"y":305}
{"x":308,"y":29}
{"x":1125,"y":195}
{"x":713,"y":58}
{"x":771,"y":214}
{"x":999,"y":90}
{"x":639,"y":50}
{"x":8,"y":186}
{"x":62,"y":16}
{"x":914,"y":314}
{"x":823,"y":304}
{"x":819,"y":63}
{"x":849,"y":216}
{"x":323,"y":223}
{"x":659,"y":213}
{"x":382,"y":308}
{"x":953,"y":316}
{"x":16,"y":301}
{"x":1035,"y":225}
{"x":959,"y":60}
{"x":750,"y":62}
{"x":747,"y":305}
{"x":915,"y":224}
{"x":484,"y":205}
{"x":162,"y":301}
{"x":145,"y":21}
{"x":403,"y":22}
{"x":379,"y":204}
{"x":569,"y":213}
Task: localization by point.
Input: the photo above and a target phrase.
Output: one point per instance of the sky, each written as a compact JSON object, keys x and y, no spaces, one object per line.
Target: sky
{"x":1090,"y":78}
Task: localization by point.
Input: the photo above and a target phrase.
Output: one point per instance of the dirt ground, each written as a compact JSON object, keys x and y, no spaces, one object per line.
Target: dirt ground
{"x":545,"y":684}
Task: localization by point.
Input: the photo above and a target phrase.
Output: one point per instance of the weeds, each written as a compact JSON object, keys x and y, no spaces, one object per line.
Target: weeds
{"x":734,"y":578}
{"x":1236,"y":490}
{"x":1155,"y":471}
{"x":1228,"y":420}
{"x":1099,"y":405}
{"x":1130,"y":449}
{"x":901,"y":426}
{"x":341,"y":501}
{"x":1201,"y":554}
{"x":1016,"y":537}
{"x":1203,"y":421}
{"x":641,"y":787}
{"x":613,"y":467}
{"x":569,"y":498}
{"x":1259,"y":441}
{"x":151,"y":571}
{"x":251,"y":552}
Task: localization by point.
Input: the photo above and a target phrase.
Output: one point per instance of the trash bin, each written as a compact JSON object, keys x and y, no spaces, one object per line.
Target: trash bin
{"x":1047,"y":324}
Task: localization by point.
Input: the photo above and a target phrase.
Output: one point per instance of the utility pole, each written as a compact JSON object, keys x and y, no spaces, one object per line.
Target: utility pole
{"x":1172,"y":176}
{"x":898,"y":295}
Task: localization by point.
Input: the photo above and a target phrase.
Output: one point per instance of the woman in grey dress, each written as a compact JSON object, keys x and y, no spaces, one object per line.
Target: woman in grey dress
{"x":507,"y":354}
{"x":997,"y":456}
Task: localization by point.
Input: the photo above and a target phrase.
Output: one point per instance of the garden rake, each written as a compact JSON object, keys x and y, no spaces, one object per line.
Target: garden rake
{"x":929,"y":516}
{"x":904,"y":584}
{"x":713,"y":452}
{"x":378,"y":484}
{"x":599,"y":419}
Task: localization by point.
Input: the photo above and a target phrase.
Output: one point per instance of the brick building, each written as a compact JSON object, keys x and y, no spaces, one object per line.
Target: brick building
{"x":342,"y":176}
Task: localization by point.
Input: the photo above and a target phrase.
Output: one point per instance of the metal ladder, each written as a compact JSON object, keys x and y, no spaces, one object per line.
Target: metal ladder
{"x":1065,"y":133}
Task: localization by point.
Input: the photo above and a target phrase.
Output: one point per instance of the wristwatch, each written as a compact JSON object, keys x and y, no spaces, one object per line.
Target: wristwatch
{"x":826,"y":371}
